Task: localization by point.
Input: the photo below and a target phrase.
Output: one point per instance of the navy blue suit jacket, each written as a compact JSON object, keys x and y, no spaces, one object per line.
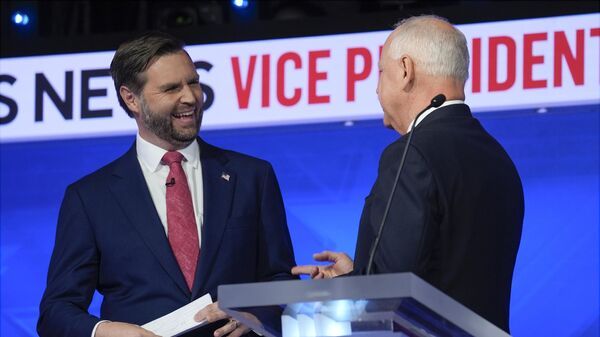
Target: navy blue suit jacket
{"x":457,"y":213}
{"x":110,"y":238}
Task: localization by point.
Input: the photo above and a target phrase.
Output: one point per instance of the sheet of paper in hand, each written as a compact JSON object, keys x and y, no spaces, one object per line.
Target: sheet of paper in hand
{"x":179,"y":321}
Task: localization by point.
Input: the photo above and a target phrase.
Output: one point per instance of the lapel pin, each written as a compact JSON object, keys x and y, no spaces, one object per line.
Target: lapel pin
{"x":225,"y":176}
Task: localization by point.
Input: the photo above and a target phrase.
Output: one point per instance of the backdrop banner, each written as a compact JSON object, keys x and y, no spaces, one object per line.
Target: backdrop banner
{"x":533,"y":63}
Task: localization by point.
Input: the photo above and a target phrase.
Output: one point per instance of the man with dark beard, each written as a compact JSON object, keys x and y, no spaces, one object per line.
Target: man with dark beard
{"x":167,"y":222}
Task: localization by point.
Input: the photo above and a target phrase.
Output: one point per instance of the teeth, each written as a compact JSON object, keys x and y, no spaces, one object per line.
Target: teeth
{"x":183,"y":114}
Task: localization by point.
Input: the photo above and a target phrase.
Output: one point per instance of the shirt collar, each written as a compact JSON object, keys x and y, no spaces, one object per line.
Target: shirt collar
{"x":150,"y":155}
{"x":430,"y":110}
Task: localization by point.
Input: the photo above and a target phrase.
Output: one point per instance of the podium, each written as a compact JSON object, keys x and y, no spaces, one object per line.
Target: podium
{"x":385,"y":305}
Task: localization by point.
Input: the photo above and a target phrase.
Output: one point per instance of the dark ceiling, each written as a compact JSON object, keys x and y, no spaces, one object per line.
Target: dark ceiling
{"x":86,"y":25}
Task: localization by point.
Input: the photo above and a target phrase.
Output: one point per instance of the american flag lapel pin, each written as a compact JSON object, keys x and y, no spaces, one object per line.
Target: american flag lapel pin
{"x":225,"y":176}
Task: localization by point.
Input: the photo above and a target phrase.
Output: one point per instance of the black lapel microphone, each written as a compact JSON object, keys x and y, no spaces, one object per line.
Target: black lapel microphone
{"x":435,"y":102}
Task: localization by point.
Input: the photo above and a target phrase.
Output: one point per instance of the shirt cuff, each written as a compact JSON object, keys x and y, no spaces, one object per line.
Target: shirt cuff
{"x":96,"y":327}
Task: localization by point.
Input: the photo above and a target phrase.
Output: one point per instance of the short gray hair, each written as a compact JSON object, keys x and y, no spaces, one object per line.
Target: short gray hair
{"x":437,"y":51}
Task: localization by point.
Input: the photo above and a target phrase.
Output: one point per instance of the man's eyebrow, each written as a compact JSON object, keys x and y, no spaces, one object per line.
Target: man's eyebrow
{"x":176,"y":84}
{"x":168,"y":85}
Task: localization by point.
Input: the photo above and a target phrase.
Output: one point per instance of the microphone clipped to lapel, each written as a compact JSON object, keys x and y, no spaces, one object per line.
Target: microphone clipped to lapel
{"x":225,"y":176}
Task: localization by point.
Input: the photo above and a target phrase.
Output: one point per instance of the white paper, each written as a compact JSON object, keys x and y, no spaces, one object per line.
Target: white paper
{"x":179,"y":321}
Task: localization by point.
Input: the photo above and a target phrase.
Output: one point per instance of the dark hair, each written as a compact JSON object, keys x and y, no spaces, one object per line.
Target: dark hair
{"x":133,"y":57}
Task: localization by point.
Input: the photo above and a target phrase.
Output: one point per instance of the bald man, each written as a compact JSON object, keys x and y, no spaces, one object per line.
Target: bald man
{"x":456,"y":215}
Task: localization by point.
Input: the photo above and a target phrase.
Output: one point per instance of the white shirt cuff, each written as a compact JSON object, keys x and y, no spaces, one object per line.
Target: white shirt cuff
{"x":96,"y":327}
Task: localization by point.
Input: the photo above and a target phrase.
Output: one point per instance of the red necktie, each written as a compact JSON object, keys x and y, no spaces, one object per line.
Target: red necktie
{"x":181,"y":222}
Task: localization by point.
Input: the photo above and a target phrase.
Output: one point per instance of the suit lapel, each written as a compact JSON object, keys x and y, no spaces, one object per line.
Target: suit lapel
{"x":131,"y":192}
{"x":218,"y":187}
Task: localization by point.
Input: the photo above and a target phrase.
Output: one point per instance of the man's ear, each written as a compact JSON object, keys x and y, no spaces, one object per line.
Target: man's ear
{"x":407,"y":72}
{"x":131,"y":100}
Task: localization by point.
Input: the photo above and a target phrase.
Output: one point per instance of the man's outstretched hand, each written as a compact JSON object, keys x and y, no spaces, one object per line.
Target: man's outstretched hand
{"x":341,"y":264}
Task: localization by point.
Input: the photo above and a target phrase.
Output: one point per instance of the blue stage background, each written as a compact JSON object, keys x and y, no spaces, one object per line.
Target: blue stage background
{"x":325,"y":171}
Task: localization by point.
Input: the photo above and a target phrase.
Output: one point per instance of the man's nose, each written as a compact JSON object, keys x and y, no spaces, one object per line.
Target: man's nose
{"x":188,"y":95}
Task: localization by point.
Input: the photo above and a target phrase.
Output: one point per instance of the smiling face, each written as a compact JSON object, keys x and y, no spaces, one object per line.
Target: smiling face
{"x":168,"y":110}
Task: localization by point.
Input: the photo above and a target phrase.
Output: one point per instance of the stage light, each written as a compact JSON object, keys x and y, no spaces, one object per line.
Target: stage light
{"x":20,"y":19}
{"x":240,"y":3}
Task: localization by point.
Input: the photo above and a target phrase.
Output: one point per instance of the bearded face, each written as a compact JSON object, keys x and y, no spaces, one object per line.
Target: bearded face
{"x":169,"y":109}
{"x":170,"y":127}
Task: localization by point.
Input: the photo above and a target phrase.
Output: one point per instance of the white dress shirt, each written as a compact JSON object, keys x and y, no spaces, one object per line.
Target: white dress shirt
{"x":430,"y":110}
{"x":155,"y":173}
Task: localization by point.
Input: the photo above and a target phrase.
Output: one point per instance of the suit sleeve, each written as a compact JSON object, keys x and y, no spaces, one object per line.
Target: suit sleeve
{"x":276,"y":254}
{"x":275,"y":251}
{"x":410,"y":227}
{"x":72,"y":274}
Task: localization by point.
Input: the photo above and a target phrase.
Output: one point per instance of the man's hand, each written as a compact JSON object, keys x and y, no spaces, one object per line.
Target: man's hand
{"x":342,"y":264}
{"x":212,"y":313}
{"x":118,"y":329}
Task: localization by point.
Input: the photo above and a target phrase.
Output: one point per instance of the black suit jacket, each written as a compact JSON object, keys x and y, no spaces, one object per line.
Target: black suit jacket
{"x":110,"y":238}
{"x":456,"y":216}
